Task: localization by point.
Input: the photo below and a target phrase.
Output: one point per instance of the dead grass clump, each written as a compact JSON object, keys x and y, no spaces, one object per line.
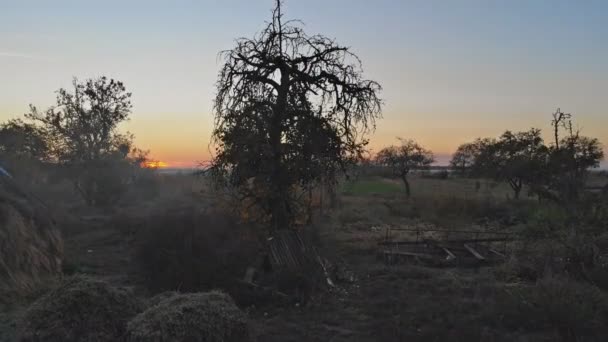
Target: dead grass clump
{"x":446,"y":210}
{"x":529,"y":264}
{"x":31,"y":250}
{"x":81,"y":309}
{"x":190,"y":250}
{"x":211,"y":317}
{"x":570,"y":310}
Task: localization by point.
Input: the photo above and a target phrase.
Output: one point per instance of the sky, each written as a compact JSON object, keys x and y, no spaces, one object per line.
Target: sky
{"x":451,"y":71}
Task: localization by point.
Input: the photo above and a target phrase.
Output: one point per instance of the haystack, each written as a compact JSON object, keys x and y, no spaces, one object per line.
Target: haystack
{"x":81,"y":309}
{"x":31,"y":249}
{"x":210,"y":317}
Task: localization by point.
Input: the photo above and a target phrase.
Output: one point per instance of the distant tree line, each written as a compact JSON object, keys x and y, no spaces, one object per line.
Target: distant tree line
{"x":556,"y":171}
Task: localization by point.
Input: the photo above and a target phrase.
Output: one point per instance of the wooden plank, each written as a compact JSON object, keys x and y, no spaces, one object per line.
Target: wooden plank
{"x":480,"y":232}
{"x":428,"y":241}
{"x":497,"y":253}
{"x":409,"y":254}
{"x":249,"y":274}
{"x":474,"y":252}
{"x":451,"y":255}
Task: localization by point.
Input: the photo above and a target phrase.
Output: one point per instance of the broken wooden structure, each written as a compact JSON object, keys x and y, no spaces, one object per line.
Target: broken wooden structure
{"x":440,"y":247}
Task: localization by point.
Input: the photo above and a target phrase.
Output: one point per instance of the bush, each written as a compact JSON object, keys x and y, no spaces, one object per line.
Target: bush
{"x":573,"y":311}
{"x":31,"y":250}
{"x":187,"y":249}
{"x":440,"y":174}
{"x":81,"y":309}
{"x":210,"y":317}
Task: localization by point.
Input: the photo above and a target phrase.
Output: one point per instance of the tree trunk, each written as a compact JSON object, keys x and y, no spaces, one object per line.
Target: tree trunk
{"x":309,"y":208}
{"x":279,"y":197}
{"x":516,"y":185}
{"x":333,"y":197}
{"x":516,"y":192}
{"x":407,"y":186}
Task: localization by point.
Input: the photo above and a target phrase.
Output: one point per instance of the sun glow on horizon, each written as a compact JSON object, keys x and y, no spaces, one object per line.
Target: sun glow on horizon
{"x":155,"y":164}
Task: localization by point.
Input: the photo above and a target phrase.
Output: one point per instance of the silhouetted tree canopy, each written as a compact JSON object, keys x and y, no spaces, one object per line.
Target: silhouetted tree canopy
{"x":404,"y":158}
{"x":557,"y":171}
{"x":21,"y":140}
{"x":290,"y":111}
{"x":83,"y":123}
{"x":81,"y":135}
{"x":516,"y":158}
{"x":570,"y":158}
{"x":463,"y":160}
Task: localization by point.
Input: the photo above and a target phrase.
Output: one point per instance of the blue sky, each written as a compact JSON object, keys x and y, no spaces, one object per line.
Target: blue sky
{"x":451,"y":70}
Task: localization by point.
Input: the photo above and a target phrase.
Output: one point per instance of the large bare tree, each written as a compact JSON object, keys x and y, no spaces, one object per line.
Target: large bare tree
{"x":290,"y":110}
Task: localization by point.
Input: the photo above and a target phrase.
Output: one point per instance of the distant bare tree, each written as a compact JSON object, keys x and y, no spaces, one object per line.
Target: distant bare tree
{"x":571,"y":157}
{"x":560,"y":120}
{"x":290,"y":111}
{"x":404,"y":158}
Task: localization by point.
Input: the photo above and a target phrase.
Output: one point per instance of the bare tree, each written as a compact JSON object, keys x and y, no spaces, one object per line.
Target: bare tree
{"x":290,"y":110}
{"x":405,"y":158}
{"x":560,"y":120}
{"x":571,"y":157}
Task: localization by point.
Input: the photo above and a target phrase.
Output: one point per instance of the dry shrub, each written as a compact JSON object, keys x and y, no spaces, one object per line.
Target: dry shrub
{"x":211,"y":317}
{"x":81,"y":309}
{"x":573,"y":311}
{"x":188,"y":249}
{"x":31,"y":250}
{"x":447,"y":209}
{"x":531,"y":260}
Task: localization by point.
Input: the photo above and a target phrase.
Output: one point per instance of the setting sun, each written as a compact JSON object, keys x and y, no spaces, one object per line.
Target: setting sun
{"x":155,"y":164}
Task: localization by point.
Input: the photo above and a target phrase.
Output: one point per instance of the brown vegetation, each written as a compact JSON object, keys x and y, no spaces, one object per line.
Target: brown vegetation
{"x":185,"y":248}
{"x":31,"y":250}
{"x":210,"y":316}
{"x":81,"y":309}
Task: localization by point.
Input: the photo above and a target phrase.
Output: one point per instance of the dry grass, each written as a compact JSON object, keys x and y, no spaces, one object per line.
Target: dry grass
{"x":31,"y":251}
{"x":81,"y":309}
{"x":389,"y":303}
{"x":211,"y":317}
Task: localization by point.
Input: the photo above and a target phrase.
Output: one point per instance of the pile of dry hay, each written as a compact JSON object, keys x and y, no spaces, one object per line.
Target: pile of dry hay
{"x":31,"y":248}
{"x":211,"y":317}
{"x":81,"y":309}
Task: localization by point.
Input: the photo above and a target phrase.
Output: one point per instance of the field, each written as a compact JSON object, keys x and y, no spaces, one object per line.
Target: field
{"x":407,"y":301}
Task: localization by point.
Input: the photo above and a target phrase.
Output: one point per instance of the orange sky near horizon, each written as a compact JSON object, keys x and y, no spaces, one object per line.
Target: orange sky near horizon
{"x":186,"y":143}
